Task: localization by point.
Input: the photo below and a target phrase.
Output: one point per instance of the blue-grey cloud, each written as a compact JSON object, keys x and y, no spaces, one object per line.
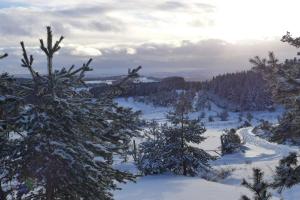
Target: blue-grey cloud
{"x":121,"y":34}
{"x":193,"y":60}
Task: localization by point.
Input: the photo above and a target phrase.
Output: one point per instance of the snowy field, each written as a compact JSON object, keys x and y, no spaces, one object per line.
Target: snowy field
{"x":258,"y":153}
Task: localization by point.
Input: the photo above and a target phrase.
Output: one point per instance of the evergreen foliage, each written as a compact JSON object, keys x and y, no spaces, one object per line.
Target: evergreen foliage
{"x":151,"y":158}
{"x":67,"y":139}
{"x":201,"y":101}
{"x":259,"y":187}
{"x":210,"y":118}
{"x":243,"y":91}
{"x":283,"y":79}
{"x":287,"y":173}
{"x":171,"y":151}
{"x":9,"y":107}
{"x":230,"y":142}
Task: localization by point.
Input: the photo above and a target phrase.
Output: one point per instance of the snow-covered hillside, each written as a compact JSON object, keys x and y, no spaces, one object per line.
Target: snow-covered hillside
{"x":141,"y":79}
{"x":258,"y":153}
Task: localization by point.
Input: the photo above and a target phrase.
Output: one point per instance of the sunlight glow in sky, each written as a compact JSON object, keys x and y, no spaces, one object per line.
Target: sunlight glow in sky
{"x":139,"y":21}
{"x":131,"y":28}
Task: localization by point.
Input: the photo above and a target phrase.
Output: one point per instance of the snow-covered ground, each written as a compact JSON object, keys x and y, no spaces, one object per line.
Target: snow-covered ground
{"x":141,"y":79}
{"x":108,"y":82}
{"x":258,"y":153}
{"x":144,"y":79}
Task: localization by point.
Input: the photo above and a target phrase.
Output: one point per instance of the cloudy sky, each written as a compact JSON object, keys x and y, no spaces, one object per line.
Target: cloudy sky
{"x":194,"y":38}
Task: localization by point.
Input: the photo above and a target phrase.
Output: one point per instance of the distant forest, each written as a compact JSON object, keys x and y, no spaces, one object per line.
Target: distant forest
{"x":246,"y":90}
{"x":240,"y":91}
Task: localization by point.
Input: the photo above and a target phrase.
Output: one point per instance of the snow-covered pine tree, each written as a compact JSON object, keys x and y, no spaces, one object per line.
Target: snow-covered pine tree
{"x":151,"y":159}
{"x":201,"y":101}
{"x":67,"y":137}
{"x":283,"y":79}
{"x":9,"y":106}
{"x":230,"y":142}
{"x":259,"y":187}
{"x":287,"y":173}
{"x":169,"y":145}
{"x":181,"y":157}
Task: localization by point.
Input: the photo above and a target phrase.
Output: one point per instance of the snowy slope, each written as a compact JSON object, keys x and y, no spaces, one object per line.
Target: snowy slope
{"x":169,"y":187}
{"x":258,"y":153}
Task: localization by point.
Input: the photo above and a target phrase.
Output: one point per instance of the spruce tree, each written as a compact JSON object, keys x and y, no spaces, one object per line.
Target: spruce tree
{"x":230,"y":142}
{"x":181,"y":157}
{"x":283,"y":79}
{"x":9,"y":108}
{"x":175,"y":152}
{"x":172,"y":150}
{"x":287,"y":173}
{"x":68,"y":139}
{"x":259,"y":187}
{"x":151,"y":159}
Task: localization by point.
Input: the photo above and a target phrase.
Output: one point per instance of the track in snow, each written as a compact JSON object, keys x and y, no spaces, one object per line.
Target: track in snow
{"x":261,"y":149}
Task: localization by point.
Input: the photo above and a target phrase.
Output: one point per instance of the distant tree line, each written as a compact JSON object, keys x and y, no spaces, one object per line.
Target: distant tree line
{"x":246,"y":90}
{"x":239,"y":91}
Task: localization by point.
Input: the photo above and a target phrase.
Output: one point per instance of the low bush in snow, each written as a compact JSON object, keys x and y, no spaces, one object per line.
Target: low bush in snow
{"x":230,"y":142}
{"x":264,"y":129}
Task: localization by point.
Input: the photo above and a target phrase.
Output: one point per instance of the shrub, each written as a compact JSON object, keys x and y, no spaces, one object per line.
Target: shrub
{"x":230,"y":142}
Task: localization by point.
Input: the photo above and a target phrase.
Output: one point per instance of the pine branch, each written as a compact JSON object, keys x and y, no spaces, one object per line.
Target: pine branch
{"x":131,"y":74}
{"x":50,"y":50}
{"x":290,"y":40}
{"x":85,"y":67}
{"x":258,"y":62}
{"x":258,"y":187}
{"x":28,"y":61}
{"x":272,"y":59}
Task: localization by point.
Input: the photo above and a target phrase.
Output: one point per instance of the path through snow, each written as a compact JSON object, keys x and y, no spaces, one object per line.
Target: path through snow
{"x":258,"y":153}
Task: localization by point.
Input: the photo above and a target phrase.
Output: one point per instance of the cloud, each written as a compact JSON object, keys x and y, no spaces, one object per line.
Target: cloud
{"x":206,"y":7}
{"x":194,"y":60}
{"x":202,"y":23}
{"x":131,"y":51}
{"x":82,"y":11}
{"x":110,"y":25}
{"x":171,"y":5}
{"x":84,"y":51}
{"x":164,"y":36}
{"x":109,"y":22}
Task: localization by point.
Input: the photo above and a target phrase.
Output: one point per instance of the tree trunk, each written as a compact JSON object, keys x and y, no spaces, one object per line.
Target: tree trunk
{"x":134,"y":151}
{"x":49,"y":190}
{"x":182,"y":146}
{"x":51,"y":84}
